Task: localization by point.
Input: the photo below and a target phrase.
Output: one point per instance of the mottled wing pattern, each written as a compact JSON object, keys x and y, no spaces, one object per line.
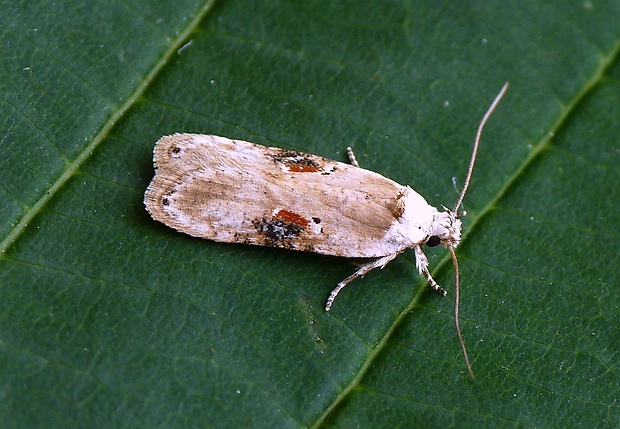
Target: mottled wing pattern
{"x":239,"y":192}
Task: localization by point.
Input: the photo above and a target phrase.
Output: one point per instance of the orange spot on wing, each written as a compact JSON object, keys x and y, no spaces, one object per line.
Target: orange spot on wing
{"x":300,"y":168}
{"x":291,"y":217}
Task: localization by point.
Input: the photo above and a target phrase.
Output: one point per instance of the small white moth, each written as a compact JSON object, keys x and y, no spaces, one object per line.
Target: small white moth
{"x":238,"y":192}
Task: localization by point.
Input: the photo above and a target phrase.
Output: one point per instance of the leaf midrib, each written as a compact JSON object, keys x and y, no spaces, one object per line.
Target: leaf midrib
{"x":89,"y":149}
{"x":598,"y":75}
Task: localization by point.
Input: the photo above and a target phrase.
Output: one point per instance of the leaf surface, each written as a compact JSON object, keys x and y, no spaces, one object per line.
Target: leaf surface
{"x":108,"y":318}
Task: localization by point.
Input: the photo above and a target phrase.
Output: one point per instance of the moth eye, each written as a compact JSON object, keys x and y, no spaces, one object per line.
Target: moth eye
{"x":433,"y":241}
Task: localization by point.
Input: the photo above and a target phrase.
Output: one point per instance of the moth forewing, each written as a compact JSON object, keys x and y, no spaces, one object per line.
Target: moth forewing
{"x":238,"y":192}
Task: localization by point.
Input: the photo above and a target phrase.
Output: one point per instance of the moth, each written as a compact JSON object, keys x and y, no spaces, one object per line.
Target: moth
{"x":234,"y":191}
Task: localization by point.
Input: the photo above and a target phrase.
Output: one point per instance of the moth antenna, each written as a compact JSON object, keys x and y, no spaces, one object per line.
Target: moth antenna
{"x":457,"y":302}
{"x":476,"y":144}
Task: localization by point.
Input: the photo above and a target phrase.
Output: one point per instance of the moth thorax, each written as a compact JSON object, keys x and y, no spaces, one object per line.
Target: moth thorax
{"x":447,"y":228}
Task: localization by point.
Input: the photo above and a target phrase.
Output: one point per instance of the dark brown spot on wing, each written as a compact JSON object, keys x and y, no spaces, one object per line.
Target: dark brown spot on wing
{"x":278,"y":232}
{"x":298,"y":162}
{"x":399,"y":207}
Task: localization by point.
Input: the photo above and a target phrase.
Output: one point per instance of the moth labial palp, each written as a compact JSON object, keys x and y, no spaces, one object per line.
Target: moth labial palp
{"x":234,"y":191}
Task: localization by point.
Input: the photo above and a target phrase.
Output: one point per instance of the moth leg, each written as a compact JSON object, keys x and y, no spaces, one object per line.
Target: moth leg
{"x":421,"y":262}
{"x":377,"y":263}
{"x":352,"y":158}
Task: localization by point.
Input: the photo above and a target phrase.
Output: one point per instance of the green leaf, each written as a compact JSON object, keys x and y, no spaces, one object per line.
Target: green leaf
{"x":109,"y":319}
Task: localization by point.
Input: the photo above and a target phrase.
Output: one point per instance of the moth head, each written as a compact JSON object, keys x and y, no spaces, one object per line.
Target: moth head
{"x":446,"y":230}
